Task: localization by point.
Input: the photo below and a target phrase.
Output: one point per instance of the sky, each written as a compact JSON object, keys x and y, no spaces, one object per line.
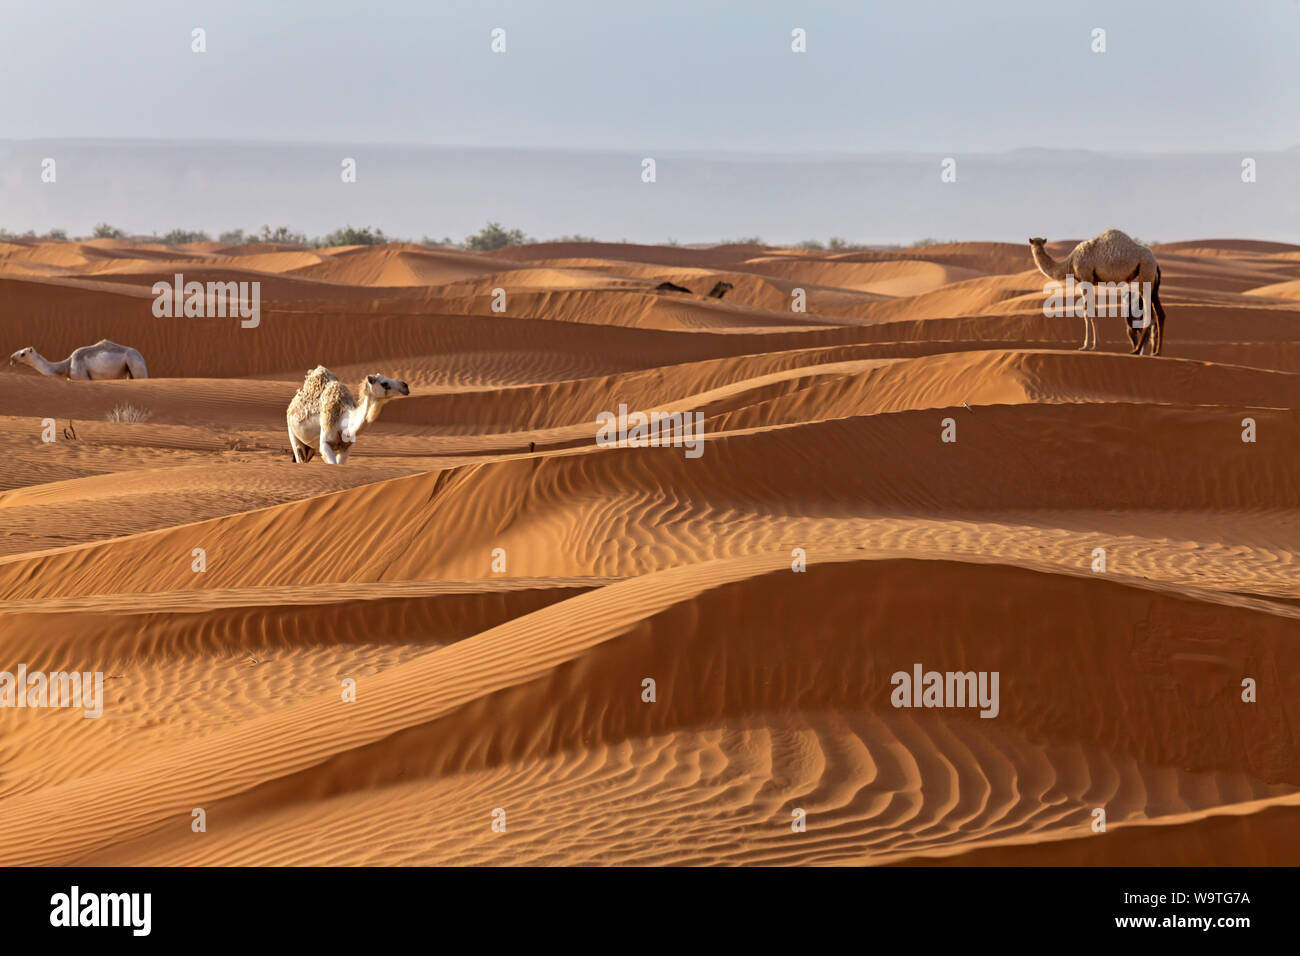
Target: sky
{"x":667,"y":75}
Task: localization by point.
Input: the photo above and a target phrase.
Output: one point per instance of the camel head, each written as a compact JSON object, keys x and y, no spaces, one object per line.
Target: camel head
{"x":1037,"y":241}
{"x":22,"y":355}
{"x":380,"y":389}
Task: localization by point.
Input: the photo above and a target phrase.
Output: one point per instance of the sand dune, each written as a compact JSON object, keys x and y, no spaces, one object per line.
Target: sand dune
{"x":520,"y":688}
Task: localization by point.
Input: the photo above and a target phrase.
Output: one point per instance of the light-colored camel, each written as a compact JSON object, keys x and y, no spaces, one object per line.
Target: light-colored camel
{"x":1111,"y":256}
{"x":102,"y":360}
{"x":324,"y":414}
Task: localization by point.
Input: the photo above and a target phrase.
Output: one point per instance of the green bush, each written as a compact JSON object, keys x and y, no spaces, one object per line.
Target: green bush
{"x":280,"y":234}
{"x":493,"y":236}
{"x":348,"y":236}
{"x":179,"y":237}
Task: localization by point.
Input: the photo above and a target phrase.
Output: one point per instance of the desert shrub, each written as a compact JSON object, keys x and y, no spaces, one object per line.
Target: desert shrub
{"x":280,"y":234}
{"x":104,"y":231}
{"x":493,"y":236}
{"x":178,"y":237}
{"x":349,"y":236}
{"x":128,"y":413}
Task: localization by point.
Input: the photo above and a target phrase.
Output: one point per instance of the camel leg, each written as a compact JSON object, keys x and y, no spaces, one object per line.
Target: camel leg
{"x":1134,"y":308}
{"x":1089,"y":334}
{"x":1134,"y":332}
{"x":342,"y":457}
{"x":1089,"y":322}
{"x":1142,"y":333}
{"x":1160,"y":315}
{"x":327,"y":452}
{"x":293,"y":446}
{"x":135,"y":367}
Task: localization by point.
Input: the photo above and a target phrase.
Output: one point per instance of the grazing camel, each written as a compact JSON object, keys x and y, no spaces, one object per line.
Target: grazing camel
{"x":102,"y":360}
{"x":323,"y":413}
{"x":1111,"y":256}
{"x":719,"y":290}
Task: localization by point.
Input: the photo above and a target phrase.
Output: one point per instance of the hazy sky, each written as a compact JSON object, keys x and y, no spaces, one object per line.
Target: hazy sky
{"x":660,"y":74}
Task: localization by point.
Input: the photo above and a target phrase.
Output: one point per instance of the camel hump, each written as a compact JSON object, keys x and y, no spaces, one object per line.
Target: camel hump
{"x":335,"y":401}
{"x":106,"y":345}
{"x":307,"y":399}
{"x":1116,"y":235}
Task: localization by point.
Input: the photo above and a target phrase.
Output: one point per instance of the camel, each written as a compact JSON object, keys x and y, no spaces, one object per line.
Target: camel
{"x":103,"y":360}
{"x":323,"y":413}
{"x":1111,"y":256}
{"x":717,"y":292}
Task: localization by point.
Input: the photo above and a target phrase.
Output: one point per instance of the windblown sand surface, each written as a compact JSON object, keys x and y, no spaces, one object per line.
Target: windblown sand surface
{"x":522,"y":690}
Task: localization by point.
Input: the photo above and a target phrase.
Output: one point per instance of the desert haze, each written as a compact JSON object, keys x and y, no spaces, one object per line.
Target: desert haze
{"x":500,"y":588}
{"x":880,"y":197}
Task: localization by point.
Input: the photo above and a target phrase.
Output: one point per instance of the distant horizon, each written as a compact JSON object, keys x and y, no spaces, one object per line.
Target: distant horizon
{"x":850,"y":245}
{"x":147,"y":186}
{"x":621,"y":150}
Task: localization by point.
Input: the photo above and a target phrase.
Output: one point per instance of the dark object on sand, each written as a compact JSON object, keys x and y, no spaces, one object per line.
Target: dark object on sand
{"x":670,"y":287}
{"x":719,"y":290}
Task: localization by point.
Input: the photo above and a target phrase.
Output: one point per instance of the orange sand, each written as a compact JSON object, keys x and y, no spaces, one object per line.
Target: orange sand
{"x":522,"y":690}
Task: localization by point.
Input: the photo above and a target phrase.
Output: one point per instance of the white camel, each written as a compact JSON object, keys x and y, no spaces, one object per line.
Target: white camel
{"x":1111,"y":256}
{"x":103,"y":360}
{"x":324,"y":414}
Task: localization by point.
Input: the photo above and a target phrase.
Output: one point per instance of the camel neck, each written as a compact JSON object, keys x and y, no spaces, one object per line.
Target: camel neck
{"x":1049,"y":266}
{"x":364,"y":413}
{"x":47,"y":367}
